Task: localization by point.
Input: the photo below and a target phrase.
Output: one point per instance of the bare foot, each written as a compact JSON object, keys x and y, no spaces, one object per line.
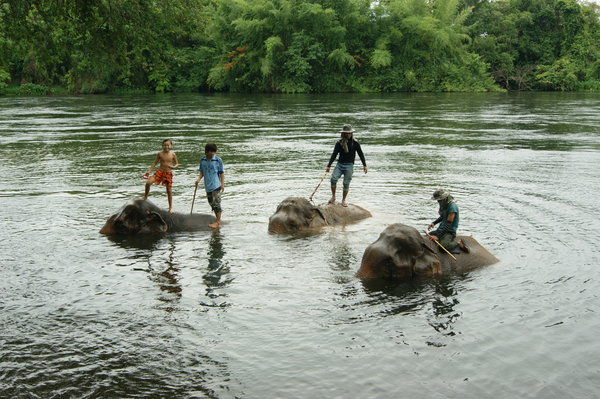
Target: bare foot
{"x":344,"y":203}
{"x":332,"y":200}
{"x":214,"y":225}
{"x":144,"y":197}
{"x":171,"y":210}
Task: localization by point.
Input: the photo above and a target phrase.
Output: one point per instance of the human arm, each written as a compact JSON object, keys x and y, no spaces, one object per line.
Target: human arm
{"x":222,"y":178}
{"x":156,"y":160}
{"x":361,"y":156}
{"x":436,"y":221}
{"x":200,"y":176}
{"x":445,"y":227}
{"x":336,"y":151}
{"x":174,"y":160}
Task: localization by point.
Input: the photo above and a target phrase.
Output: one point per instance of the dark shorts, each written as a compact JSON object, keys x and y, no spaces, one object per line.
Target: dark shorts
{"x":448,"y":241}
{"x":214,"y":200}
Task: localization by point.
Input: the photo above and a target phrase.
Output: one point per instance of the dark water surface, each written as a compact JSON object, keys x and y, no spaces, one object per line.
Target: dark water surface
{"x":241,"y":313}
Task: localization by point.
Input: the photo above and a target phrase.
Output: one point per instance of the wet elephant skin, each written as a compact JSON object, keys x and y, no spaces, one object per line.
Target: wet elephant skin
{"x":401,"y":252}
{"x":295,"y":214}
{"x":140,"y":216}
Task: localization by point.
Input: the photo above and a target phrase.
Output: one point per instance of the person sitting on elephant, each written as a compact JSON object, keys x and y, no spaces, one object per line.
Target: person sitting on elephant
{"x":445,"y":234}
{"x":347,"y":148}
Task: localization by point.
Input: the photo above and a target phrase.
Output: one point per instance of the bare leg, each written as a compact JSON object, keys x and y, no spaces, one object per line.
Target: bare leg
{"x":344,"y":195}
{"x":332,"y":200}
{"x":170,"y":198}
{"x":149,"y":184}
{"x":217,"y":223}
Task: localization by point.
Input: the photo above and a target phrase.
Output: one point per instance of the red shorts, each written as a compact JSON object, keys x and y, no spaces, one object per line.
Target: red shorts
{"x":163,"y":177}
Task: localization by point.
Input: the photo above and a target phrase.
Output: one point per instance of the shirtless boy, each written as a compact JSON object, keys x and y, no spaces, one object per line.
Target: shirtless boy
{"x":167,"y":161}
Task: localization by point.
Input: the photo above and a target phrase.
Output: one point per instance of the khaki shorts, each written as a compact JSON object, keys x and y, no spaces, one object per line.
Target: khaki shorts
{"x":214,"y":200}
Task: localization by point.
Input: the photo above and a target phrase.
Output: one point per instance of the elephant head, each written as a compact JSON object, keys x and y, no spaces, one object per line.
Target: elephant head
{"x":295,"y":214}
{"x":138,"y":216}
{"x":399,"y":252}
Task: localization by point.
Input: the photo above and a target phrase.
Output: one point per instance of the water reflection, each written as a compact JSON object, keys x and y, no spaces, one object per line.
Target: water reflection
{"x":147,"y":241}
{"x":217,"y":274}
{"x":342,"y":258}
{"x":157,"y":254}
{"x":164,"y":272}
{"x":443,"y":314}
{"x":437,"y":298}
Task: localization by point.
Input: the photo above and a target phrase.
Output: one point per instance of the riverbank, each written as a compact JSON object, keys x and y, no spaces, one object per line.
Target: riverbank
{"x":34,"y":90}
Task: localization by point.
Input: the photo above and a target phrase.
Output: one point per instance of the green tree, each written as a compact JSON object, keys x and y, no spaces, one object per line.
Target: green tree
{"x":297,"y":46}
{"x":422,"y":46}
{"x":291,"y":46}
{"x":95,"y":45}
{"x":533,"y":44}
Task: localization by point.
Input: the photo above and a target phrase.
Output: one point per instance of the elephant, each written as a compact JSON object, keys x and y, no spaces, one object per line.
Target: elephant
{"x":140,"y":216}
{"x":295,"y":214}
{"x":401,"y":252}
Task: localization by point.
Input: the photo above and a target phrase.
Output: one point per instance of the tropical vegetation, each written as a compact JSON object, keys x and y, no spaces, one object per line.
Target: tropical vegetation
{"x":298,"y":46}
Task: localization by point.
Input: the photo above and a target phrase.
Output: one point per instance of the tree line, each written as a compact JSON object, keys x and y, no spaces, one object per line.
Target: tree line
{"x":298,"y":46}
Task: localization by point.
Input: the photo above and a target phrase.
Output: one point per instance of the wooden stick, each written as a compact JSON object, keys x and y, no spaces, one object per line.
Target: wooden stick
{"x":441,"y":246}
{"x":313,"y":193}
{"x":194,"y":199}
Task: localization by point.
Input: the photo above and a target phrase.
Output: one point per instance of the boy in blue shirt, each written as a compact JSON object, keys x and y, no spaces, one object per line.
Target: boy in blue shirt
{"x":211,"y":168}
{"x":445,"y":234}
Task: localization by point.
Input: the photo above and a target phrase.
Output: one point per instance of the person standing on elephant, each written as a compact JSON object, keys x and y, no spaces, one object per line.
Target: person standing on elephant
{"x":211,"y":168}
{"x":445,"y":234}
{"x":347,"y":148}
{"x":167,"y":161}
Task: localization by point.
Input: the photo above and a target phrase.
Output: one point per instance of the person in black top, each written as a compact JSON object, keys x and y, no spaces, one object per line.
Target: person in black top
{"x":347,"y":148}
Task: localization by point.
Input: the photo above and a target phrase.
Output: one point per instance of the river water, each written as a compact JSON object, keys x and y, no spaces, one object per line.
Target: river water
{"x":240,"y":313}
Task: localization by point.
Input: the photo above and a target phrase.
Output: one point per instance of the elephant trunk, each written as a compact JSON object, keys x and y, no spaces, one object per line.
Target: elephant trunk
{"x":109,"y":226}
{"x":277,"y":224}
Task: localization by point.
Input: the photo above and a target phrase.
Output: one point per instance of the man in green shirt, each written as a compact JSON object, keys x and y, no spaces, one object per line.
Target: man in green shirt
{"x":445,"y":234}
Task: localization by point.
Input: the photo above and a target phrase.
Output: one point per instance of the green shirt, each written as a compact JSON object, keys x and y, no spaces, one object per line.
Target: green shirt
{"x":446,"y":226}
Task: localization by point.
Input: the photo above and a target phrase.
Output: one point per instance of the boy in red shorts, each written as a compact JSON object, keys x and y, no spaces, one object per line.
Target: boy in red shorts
{"x":167,"y":161}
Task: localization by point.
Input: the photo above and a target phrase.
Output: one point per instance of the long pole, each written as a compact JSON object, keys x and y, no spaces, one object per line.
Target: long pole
{"x":194,"y":199}
{"x":318,"y":185}
{"x":441,"y":246}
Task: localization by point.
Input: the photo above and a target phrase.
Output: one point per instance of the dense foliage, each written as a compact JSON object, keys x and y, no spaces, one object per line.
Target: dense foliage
{"x":297,"y":46}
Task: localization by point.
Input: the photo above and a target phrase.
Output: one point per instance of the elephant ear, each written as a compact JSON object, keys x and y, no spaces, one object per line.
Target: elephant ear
{"x":319,"y":212}
{"x":428,"y":264}
{"x":155,"y":223}
{"x":430,"y":246}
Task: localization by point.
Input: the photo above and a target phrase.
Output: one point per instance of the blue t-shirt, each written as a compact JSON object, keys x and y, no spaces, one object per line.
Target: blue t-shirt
{"x":211,"y":169}
{"x":452,"y":227}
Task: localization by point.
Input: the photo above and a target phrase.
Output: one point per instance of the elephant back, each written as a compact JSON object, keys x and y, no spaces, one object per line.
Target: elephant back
{"x":338,"y":214}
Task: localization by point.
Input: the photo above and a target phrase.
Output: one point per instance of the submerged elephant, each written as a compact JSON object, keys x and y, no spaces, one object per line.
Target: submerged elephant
{"x":402,"y":252}
{"x":140,"y":216}
{"x":297,"y":214}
